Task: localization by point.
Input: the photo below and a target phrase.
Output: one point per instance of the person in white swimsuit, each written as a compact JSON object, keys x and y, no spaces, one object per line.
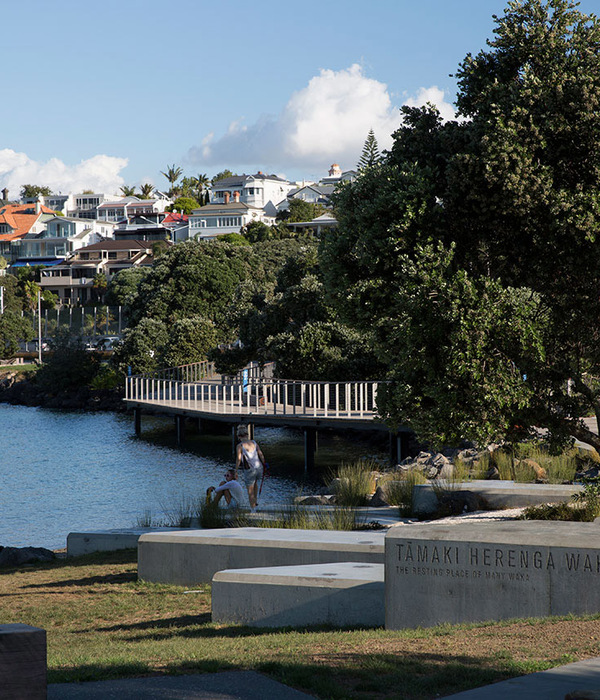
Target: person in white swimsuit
{"x":249,"y":464}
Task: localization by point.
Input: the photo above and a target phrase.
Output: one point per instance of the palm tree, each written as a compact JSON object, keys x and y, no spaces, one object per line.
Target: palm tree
{"x":173,"y":174}
{"x":146,"y":190}
{"x":201,"y":183}
{"x":128,"y":191}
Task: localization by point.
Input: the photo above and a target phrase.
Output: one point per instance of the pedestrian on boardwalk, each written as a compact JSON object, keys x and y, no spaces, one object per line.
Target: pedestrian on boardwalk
{"x":249,"y":464}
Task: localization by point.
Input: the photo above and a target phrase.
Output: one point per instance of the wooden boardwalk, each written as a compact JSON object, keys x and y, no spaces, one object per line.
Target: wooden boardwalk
{"x":272,"y":401}
{"x":196,"y":391}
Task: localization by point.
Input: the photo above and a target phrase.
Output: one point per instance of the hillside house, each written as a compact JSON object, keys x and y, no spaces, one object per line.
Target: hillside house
{"x":73,"y":279}
{"x":18,"y":220}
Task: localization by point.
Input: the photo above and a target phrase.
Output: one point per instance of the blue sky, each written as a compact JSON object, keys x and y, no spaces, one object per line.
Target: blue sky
{"x":102,"y":94}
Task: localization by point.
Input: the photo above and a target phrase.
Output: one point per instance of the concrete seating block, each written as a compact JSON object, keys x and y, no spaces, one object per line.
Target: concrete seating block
{"x":490,"y":571}
{"x":498,"y":494}
{"x":188,"y":557}
{"x":79,"y":543}
{"x":22,"y":662}
{"x":341,"y":594}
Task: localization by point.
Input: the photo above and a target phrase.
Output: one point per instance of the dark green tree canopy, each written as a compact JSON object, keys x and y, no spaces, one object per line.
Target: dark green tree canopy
{"x":299,"y":210}
{"x":221,"y":176}
{"x":510,"y":201}
{"x":124,"y":286}
{"x":34,"y":191}
{"x":185,"y":205}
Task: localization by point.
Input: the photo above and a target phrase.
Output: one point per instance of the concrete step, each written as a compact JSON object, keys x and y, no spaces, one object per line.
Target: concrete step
{"x":498,"y":494}
{"x":79,"y":543}
{"x":188,"y":557}
{"x":343,"y":594}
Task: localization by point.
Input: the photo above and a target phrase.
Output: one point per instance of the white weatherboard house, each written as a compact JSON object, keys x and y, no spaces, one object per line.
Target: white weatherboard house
{"x":214,"y":220}
{"x":63,"y":235}
{"x":128,"y":207}
{"x":260,"y":191}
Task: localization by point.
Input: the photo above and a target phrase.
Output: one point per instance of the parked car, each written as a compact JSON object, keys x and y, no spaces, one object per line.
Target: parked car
{"x":108,"y":342}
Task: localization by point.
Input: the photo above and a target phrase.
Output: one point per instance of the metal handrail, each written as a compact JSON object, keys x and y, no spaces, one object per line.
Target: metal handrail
{"x":271,"y":397}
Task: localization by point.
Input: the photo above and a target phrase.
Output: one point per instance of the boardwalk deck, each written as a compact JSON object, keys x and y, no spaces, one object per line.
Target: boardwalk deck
{"x":195,"y":391}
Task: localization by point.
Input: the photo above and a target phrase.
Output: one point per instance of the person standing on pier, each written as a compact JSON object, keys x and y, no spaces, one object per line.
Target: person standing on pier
{"x":249,"y":464}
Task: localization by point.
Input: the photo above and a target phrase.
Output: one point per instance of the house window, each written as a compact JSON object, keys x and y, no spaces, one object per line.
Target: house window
{"x":112,"y":254}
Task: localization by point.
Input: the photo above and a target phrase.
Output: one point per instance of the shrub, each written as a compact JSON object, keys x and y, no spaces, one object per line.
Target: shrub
{"x":69,"y":366}
{"x":107,"y":378}
{"x":584,"y":506}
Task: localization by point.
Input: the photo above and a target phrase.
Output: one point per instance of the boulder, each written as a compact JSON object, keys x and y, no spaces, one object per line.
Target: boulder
{"x":378,"y":498}
{"x":457,"y":502}
{"x":312,"y":501}
{"x":17,"y":556}
{"x":492,"y":472}
{"x":334,"y":485}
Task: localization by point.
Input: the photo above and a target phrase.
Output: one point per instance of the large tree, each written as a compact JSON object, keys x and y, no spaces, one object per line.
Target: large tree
{"x":196,"y":288}
{"x":510,"y":199}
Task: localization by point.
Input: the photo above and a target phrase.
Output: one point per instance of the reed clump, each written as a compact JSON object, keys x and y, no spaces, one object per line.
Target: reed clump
{"x":355,"y":482}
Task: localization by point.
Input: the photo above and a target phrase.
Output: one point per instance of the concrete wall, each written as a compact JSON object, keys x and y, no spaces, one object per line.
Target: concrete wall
{"x":490,"y":571}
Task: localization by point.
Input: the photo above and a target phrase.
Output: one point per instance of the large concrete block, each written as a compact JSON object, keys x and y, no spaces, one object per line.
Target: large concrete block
{"x":22,"y":662}
{"x":341,"y":594}
{"x":79,"y":543}
{"x":188,"y":557}
{"x":490,"y":571}
{"x":497,"y":494}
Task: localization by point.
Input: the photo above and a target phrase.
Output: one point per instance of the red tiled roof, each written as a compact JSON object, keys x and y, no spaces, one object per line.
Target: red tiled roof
{"x":175,"y":217}
{"x":20,"y":218}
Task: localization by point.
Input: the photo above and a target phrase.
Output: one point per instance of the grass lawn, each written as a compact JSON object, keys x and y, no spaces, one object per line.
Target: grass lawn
{"x":102,"y":623}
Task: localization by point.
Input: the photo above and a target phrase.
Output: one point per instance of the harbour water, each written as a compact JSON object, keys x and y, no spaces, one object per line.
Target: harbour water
{"x":62,"y":472}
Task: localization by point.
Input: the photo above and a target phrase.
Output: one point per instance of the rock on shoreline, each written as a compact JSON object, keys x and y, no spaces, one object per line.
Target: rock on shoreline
{"x":17,"y":556}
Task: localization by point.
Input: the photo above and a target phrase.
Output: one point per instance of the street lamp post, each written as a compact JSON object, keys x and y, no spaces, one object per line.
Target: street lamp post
{"x":40,"y":327}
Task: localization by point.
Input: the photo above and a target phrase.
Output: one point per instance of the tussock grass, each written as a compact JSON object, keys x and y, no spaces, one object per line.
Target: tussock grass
{"x":102,"y":623}
{"x":559,"y":468}
{"x":297,"y":517}
{"x":399,"y":489}
{"x":180,"y":509}
{"x":356,"y":482}
{"x":145,"y":519}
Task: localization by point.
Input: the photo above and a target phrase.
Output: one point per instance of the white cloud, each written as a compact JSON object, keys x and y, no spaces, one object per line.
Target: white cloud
{"x":99,"y":173}
{"x":326,"y":121}
{"x":436,"y":97}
